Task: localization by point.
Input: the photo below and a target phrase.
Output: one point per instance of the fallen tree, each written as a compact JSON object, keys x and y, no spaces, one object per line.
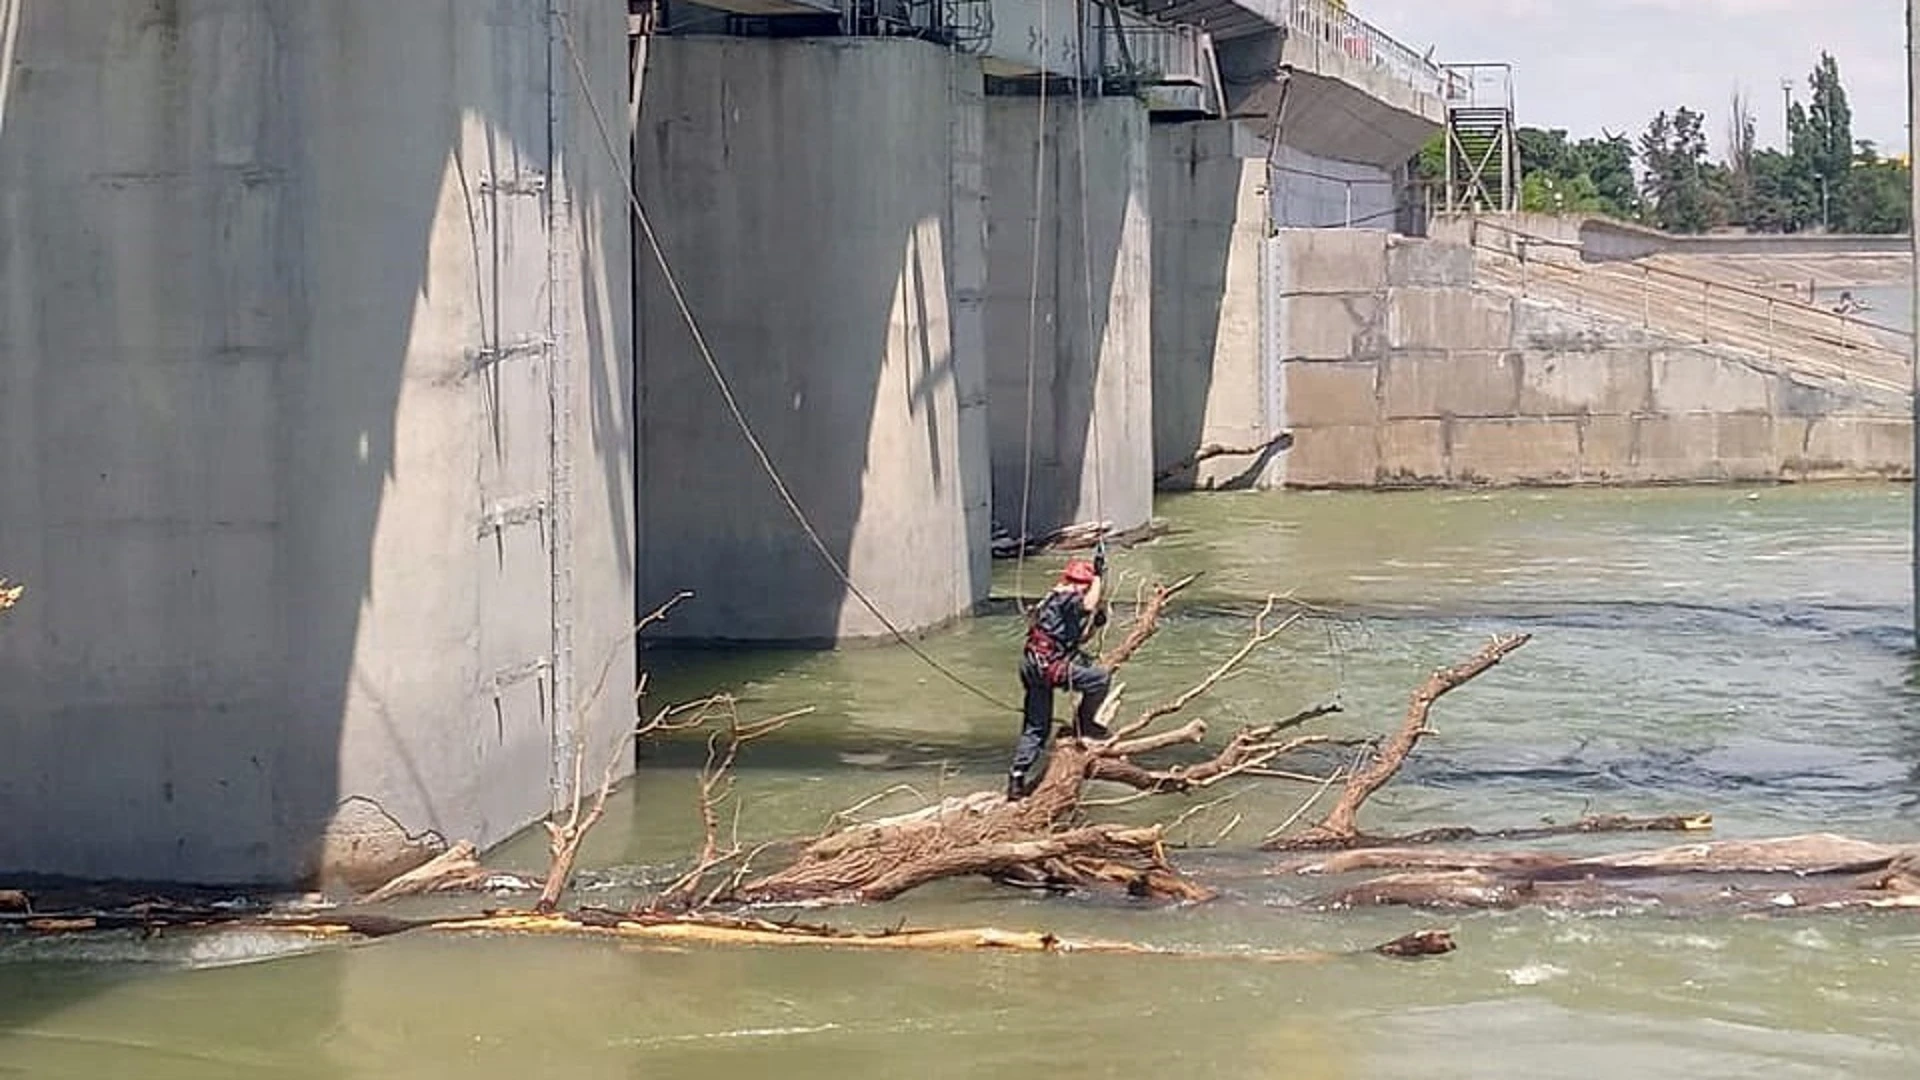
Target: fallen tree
{"x":1079,"y":536}
{"x":1052,"y":840}
{"x":1261,"y":451}
{"x":1043,"y":839}
{"x":1048,"y":840}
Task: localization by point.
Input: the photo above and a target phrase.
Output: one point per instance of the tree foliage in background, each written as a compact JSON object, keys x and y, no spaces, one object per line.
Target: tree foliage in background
{"x":1822,"y":178}
{"x":1820,"y":134}
{"x":1588,"y":176}
{"x":1682,"y":189}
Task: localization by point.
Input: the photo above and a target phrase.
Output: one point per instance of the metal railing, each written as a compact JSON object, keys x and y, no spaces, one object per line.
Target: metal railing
{"x":1716,"y":312}
{"x":1478,"y":86}
{"x":1175,"y":54}
{"x":1332,"y":25}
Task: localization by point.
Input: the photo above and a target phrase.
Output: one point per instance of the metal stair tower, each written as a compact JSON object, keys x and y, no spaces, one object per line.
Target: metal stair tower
{"x":1483,"y":154}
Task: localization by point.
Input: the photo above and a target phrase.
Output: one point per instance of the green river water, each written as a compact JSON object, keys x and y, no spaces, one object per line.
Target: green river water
{"x":1744,"y":652}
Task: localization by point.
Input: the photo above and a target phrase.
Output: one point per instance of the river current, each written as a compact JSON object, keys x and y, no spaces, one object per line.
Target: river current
{"x":1745,"y":652}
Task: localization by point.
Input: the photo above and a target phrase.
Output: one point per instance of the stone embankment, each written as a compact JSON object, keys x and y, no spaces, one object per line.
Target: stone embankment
{"x":1419,"y":363}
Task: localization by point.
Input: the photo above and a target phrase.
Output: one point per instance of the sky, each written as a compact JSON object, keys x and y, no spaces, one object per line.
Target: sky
{"x":1588,"y":65}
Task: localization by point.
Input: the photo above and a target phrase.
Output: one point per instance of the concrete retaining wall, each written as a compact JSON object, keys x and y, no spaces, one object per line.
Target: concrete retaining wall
{"x":1092,"y":420}
{"x":1603,"y":239}
{"x":294,"y":295}
{"x":803,"y":192}
{"x":1398,"y":371}
{"x":1606,"y":240}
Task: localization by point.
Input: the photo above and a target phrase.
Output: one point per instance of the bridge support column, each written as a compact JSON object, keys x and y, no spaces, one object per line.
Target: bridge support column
{"x":315,"y":403}
{"x":1081,"y":325}
{"x":1210,"y":223}
{"x":819,"y":203}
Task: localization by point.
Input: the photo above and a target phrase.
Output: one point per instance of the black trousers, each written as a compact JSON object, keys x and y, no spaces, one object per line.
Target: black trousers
{"x":1091,"y":681}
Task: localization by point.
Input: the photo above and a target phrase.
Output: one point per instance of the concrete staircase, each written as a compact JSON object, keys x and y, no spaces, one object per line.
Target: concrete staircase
{"x":1699,"y":307}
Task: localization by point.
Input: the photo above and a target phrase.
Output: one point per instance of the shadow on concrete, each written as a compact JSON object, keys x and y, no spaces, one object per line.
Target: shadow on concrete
{"x":226,"y":233}
{"x":805,"y":221}
{"x":1069,"y":325}
{"x":1197,"y":196}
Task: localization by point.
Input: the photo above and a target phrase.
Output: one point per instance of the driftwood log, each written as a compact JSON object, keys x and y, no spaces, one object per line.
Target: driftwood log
{"x":1080,"y":536}
{"x":1215,"y":450}
{"x":1818,"y":872}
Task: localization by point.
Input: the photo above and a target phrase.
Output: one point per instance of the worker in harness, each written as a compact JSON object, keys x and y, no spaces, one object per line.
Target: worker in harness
{"x":1053,"y":660}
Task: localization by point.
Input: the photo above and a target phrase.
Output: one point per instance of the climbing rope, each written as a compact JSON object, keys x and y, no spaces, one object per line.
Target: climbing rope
{"x":726,"y":390}
{"x":1033,"y":332}
{"x":1086,"y":263}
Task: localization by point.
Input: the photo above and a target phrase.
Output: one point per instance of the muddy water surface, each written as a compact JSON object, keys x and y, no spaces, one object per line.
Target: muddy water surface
{"x":1738,"y":651}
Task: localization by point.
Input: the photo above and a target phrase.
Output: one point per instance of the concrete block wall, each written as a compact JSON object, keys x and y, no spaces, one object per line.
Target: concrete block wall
{"x":810,"y":214}
{"x":1398,"y":372}
{"x":315,"y":371}
{"x":1091,"y":439}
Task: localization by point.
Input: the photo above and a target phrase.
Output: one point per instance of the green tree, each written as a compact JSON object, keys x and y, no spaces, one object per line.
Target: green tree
{"x":1877,"y":196}
{"x":1608,"y":162}
{"x":1430,"y":165}
{"x":1820,"y":138}
{"x":1544,"y":151}
{"x":1679,"y":186}
{"x":1778,"y":202}
{"x":1545,"y":194}
{"x":1585,"y":177}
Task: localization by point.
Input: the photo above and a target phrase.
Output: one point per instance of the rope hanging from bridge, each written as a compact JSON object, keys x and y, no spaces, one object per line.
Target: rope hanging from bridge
{"x":624,"y":169}
{"x":1092,"y":345}
{"x":1094,"y":350}
{"x":1033,"y":333}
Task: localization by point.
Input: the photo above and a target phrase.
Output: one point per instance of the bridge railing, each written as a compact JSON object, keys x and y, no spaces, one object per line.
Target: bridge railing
{"x":1479,"y":86}
{"x":1170,"y":53}
{"x":1329,"y":23}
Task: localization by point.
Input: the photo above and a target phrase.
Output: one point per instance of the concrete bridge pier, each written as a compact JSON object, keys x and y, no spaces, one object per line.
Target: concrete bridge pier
{"x":1076,"y":323}
{"x":1323,"y":115}
{"x":819,"y":203}
{"x":315,"y":403}
{"x":1210,"y":224}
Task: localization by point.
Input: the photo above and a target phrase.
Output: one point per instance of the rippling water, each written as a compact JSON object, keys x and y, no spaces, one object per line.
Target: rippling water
{"x":1744,"y":652}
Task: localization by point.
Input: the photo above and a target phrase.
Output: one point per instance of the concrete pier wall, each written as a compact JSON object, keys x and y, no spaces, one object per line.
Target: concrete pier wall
{"x":1397,"y":370}
{"x":1209,"y":206}
{"x":803,"y":192}
{"x":316,"y":407}
{"x":1084,"y":321}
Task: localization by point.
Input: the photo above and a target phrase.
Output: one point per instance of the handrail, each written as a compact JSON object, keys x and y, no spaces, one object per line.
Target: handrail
{"x":1697,"y":279}
{"x":1464,"y":84}
{"x":1333,"y":24}
{"x":1800,"y":334}
{"x":1807,"y":363}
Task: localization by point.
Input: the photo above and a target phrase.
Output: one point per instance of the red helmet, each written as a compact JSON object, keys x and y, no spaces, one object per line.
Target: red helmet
{"x":1078,"y":571}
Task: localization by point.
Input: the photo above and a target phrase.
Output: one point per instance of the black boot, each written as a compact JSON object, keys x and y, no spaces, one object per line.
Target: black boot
{"x":1016,"y":787}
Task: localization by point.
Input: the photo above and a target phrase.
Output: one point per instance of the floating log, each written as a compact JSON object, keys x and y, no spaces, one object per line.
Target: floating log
{"x":1213,"y":450}
{"x":1778,"y":874}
